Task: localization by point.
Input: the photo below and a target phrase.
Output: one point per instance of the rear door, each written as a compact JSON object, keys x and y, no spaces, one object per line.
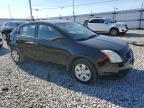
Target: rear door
{"x":102,"y":25}
{"x":27,"y":41}
{"x":93,"y":25}
{"x":98,"y":25}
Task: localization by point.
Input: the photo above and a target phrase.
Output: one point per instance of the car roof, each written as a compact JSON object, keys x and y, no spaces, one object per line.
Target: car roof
{"x":96,"y":18}
{"x":15,"y":21}
{"x":50,"y":21}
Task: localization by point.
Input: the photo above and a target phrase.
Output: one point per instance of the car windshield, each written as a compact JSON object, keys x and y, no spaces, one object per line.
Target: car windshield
{"x":109,"y":21}
{"x":77,"y":31}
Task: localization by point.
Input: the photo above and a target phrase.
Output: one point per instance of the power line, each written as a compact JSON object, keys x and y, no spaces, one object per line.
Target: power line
{"x":76,"y":5}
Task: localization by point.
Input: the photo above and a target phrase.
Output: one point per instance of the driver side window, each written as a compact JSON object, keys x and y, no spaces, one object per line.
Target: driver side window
{"x":46,"y":32}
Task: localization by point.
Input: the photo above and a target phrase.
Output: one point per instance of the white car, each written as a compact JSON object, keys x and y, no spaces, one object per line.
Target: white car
{"x":1,"y":41}
{"x":106,"y":26}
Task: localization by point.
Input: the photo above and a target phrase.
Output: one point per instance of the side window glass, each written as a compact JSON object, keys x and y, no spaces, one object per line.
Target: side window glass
{"x":28,"y":30}
{"x":14,"y":25}
{"x":46,"y":32}
{"x":8,"y":24}
{"x":101,"y":21}
{"x":93,"y":21}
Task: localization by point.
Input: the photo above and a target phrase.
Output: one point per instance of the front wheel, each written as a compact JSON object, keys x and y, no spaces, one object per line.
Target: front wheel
{"x":114,"y":31}
{"x":17,"y":56}
{"x":84,"y":71}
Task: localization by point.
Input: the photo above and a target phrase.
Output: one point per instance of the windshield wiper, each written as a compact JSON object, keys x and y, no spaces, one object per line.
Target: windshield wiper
{"x":90,"y":37}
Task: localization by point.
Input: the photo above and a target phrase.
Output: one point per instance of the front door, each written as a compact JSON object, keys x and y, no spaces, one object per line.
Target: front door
{"x":53,"y":46}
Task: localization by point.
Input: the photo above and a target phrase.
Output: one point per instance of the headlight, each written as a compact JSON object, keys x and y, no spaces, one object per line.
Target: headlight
{"x":118,"y":25}
{"x":113,"y":56}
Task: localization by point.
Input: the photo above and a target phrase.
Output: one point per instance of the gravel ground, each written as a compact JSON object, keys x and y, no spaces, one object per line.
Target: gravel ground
{"x":44,"y":85}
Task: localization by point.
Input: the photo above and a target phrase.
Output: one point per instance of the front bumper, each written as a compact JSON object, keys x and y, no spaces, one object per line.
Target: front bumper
{"x":123,"y":29}
{"x":114,"y":68}
{"x":108,"y":68}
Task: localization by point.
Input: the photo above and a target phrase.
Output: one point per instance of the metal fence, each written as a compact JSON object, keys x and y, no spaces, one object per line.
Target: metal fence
{"x":133,"y":18}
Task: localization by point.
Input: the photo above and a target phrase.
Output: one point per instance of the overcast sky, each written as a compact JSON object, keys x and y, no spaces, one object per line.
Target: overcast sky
{"x":54,"y":8}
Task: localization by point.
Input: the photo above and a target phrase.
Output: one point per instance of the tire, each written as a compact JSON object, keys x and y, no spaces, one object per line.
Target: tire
{"x":16,"y":55}
{"x":78,"y":68}
{"x":4,"y":36}
{"x":114,"y":31}
{"x":1,"y":45}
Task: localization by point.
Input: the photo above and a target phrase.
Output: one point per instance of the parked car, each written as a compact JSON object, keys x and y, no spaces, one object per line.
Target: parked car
{"x":1,"y":41}
{"x":83,"y":52}
{"x":106,"y":26}
{"x":8,"y":27}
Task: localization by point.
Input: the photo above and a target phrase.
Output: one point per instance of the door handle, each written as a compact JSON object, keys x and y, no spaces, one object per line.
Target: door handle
{"x":29,"y":42}
{"x":32,"y":43}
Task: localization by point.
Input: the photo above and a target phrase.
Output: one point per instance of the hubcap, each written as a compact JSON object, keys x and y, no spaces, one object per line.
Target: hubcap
{"x":15,"y":56}
{"x":114,"y":32}
{"x":82,"y":72}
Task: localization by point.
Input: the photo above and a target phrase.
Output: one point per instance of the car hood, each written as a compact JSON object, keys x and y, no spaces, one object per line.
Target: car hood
{"x":120,"y":23}
{"x":106,"y":43}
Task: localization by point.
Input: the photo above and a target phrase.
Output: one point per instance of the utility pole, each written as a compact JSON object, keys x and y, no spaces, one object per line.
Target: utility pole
{"x":141,"y":14}
{"x":114,"y":13}
{"x":73,"y":10}
{"x":30,"y":7}
{"x":9,"y":12}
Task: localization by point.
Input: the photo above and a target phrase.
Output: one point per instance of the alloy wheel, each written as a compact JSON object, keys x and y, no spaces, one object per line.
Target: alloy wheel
{"x":15,"y":56}
{"x":114,"y":32}
{"x":82,"y":72}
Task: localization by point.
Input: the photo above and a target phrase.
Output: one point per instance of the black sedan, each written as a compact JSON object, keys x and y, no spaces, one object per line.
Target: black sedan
{"x":83,"y":52}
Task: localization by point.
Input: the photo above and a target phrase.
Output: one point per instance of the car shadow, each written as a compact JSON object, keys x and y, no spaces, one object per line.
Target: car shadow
{"x":134,"y":35}
{"x":130,"y":35}
{"x":3,"y":51}
{"x":124,"y":92}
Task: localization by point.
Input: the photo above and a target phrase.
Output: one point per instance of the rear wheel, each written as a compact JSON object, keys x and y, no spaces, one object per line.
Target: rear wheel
{"x":1,"y":45}
{"x":84,"y":71}
{"x":4,"y":36}
{"x":114,"y":31}
{"x":17,"y":56}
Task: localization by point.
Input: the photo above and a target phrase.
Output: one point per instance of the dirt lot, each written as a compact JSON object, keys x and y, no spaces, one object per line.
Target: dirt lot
{"x":37,"y":84}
